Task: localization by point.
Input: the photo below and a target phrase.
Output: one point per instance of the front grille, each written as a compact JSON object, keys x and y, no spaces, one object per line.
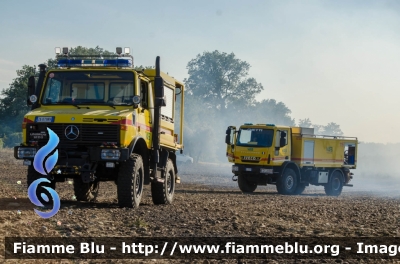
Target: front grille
{"x":92,"y":133}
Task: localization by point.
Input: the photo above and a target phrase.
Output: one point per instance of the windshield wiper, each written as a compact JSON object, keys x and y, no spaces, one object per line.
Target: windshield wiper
{"x":79,"y":107}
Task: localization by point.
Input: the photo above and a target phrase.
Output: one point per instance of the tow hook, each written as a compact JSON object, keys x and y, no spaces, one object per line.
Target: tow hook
{"x":234,"y":178}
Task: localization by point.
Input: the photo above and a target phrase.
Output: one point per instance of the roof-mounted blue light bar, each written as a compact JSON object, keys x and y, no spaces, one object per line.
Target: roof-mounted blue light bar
{"x":118,"y":63}
{"x":95,"y":63}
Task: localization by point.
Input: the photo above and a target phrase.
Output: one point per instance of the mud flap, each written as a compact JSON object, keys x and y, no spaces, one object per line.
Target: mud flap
{"x":159,"y":176}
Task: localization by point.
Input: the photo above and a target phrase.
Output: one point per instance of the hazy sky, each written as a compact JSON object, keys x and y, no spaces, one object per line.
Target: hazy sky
{"x":330,"y":61}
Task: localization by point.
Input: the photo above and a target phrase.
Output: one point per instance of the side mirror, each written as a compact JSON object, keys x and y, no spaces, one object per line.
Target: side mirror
{"x":136,"y":101}
{"x":282,"y":140}
{"x":31,"y":89}
{"x":228,"y":136}
{"x":228,"y":139}
{"x":159,"y":86}
{"x":282,"y":143}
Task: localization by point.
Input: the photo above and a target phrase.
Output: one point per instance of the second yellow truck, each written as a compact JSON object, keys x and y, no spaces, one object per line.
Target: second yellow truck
{"x":289,"y":157}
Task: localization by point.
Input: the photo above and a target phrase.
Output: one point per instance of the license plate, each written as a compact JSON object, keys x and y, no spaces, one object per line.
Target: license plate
{"x":248,"y":169}
{"x":44,"y":119}
{"x":250,"y":158}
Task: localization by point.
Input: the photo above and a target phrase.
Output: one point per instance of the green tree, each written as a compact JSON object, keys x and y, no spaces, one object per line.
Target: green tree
{"x":221,"y":80}
{"x":97,"y":51}
{"x":269,"y":111}
{"x":13,"y":101}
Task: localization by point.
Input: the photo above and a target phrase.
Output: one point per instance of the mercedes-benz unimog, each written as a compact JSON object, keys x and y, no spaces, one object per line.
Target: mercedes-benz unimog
{"x":112,"y":123}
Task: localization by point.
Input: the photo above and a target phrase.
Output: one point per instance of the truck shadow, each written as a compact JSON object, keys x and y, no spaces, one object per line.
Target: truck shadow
{"x":69,"y":204}
{"x":222,"y":192}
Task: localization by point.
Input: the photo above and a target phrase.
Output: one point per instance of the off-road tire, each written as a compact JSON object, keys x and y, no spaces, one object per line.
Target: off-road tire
{"x":130,"y":181}
{"x":246,"y":186}
{"x":287,"y":182}
{"x":335,"y":184}
{"x":32,"y":176}
{"x":85,"y":192}
{"x":163,"y":192}
{"x":300,"y":188}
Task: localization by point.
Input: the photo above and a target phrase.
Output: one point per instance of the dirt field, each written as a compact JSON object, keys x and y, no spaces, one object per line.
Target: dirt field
{"x":207,"y":203}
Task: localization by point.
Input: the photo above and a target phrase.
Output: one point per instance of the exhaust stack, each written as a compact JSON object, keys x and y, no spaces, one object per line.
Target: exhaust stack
{"x":159,"y":101}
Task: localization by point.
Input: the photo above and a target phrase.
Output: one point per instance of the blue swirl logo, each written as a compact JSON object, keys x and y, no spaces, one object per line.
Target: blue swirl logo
{"x":34,"y":199}
{"x":49,"y":164}
{"x":44,"y":151}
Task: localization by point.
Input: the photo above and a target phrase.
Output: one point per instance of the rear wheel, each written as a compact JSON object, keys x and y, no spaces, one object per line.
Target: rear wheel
{"x":335,"y":184}
{"x":246,"y":186}
{"x":32,"y":176}
{"x":287,"y":182}
{"x":163,"y":192}
{"x":130,"y":181}
{"x":86,"y":192}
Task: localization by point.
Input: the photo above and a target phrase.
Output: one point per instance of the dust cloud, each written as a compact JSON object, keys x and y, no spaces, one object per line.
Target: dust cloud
{"x":378,"y":169}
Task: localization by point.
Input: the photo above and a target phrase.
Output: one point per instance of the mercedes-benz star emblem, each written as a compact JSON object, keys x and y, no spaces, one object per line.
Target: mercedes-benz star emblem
{"x":71,"y":132}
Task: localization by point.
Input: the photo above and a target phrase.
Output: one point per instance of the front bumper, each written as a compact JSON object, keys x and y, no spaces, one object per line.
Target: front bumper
{"x":93,"y":154}
{"x":251,"y":169}
{"x":260,"y":175}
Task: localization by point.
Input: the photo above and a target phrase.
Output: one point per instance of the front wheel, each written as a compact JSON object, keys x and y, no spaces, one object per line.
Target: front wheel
{"x":86,"y":192}
{"x":335,"y":185}
{"x":287,"y":182}
{"x":163,"y":192}
{"x":246,"y":186}
{"x":130,"y":181}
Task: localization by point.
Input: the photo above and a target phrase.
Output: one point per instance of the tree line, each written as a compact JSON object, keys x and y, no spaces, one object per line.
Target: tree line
{"x":219,"y":93}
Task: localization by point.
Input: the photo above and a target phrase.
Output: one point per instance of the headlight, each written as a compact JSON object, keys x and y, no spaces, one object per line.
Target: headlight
{"x":267,"y":171}
{"x":110,"y":154}
{"x":26,"y":153}
{"x":235,"y":168}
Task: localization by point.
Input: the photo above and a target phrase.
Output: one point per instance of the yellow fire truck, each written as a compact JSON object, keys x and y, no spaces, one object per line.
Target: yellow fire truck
{"x":113,"y":123}
{"x":289,"y":157}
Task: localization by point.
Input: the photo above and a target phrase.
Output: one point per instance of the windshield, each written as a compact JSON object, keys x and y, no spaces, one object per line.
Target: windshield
{"x":89,"y":87}
{"x":255,"y":137}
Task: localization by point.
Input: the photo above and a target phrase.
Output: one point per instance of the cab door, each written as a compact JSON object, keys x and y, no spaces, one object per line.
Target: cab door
{"x":145,"y":120}
{"x":282,"y":146}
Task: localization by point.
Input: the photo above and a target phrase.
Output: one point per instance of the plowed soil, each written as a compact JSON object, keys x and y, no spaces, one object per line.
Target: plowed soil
{"x":206,"y":203}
